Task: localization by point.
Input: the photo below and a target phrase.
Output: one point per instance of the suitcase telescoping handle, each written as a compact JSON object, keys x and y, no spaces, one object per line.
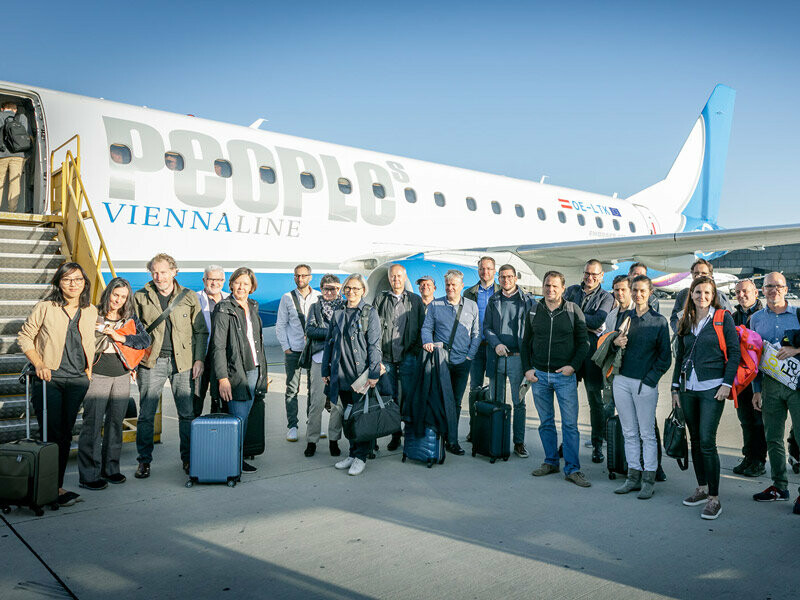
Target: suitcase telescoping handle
{"x":29,"y":406}
{"x":497,"y":398}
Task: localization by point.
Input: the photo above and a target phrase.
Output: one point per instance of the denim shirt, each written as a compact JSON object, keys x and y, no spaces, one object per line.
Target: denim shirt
{"x":439,"y":323}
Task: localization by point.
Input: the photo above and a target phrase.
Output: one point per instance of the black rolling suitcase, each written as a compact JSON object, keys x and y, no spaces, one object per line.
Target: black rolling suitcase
{"x":615,"y":452}
{"x":491,"y":431}
{"x":254,"y":436}
{"x":29,"y":468}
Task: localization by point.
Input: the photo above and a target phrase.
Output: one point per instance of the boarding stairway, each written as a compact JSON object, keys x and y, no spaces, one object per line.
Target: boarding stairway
{"x":32,"y":247}
{"x":29,"y":255}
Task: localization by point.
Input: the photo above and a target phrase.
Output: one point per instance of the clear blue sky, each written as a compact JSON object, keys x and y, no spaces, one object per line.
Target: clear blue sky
{"x":598,"y":96}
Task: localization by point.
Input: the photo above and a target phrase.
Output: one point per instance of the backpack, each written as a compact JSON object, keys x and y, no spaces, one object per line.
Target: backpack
{"x":15,"y":135}
{"x":751,"y":346}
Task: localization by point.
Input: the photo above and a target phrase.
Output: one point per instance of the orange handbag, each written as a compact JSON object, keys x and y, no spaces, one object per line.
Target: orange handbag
{"x":131,"y":357}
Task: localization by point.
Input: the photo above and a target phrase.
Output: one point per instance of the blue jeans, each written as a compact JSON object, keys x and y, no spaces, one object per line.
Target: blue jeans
{"x":151,"y":384}
{"x":510,"y":367}
{"x":566,"y":390}
{"x":241,"y":408}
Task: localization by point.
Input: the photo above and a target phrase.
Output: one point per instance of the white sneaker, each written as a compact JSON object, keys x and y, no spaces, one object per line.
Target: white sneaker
{"x":291,"y":434}
{"x":357,"y":467}
{"x":323,"y":435}
{"x":344,"y":463}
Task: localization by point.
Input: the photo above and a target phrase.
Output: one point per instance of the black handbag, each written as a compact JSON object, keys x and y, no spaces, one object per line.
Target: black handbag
{"x":305,"y":356}
{"x":675,"y":444}
{"x":366,"y":420}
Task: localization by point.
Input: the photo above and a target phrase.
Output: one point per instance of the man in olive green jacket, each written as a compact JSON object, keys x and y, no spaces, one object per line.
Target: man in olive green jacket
{"x":177,"y":353}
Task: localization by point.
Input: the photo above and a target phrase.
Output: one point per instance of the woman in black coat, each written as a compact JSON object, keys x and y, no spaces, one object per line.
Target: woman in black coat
{"x":701,"y":382}
{"x":353,"y":346}
{"x":240,"y":367}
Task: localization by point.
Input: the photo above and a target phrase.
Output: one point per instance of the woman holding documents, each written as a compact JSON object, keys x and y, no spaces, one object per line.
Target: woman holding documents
{"x":352,"y":354}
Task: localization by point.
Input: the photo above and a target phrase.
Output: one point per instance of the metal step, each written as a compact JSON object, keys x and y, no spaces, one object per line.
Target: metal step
{"x":12,"y":407}
{"x":17,"y":232}
{"x":16,"y":308}
{"x":14,"y":429}
{"x":10,"y":385}
{"x":30,"y":246}
{"x":8,"y":344}
{"x":12,"y":364}
{"x":23,"y":291}
{"x":30,"y":261}
{"x":20,"y":275}
{"x":11,"y":325}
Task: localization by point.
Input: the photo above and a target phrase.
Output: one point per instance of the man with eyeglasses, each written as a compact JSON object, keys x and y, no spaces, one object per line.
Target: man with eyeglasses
{"x":700,"y":268}
{"x":774,"y":399}
{"x":402,"y":313}
{"x":503,"y":326}
{"x":209,"y":296}
{"x":595,"y":303}
{"x":290,"y":329}
{"x":452,"y":321}
{"x":480,"y":294}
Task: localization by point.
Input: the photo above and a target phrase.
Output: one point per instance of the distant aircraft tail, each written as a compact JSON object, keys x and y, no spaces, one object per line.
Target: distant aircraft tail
{"x":687,"y":199}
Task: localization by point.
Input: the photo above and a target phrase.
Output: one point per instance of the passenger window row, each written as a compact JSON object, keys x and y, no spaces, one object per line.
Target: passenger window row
{"x":121,"y":154}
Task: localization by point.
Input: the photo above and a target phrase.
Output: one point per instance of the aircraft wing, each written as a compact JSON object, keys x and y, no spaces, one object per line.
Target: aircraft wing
{"x":668,"y":252}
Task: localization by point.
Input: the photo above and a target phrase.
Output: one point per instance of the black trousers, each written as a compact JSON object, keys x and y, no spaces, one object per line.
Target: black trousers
{"x":64,"y":399}
{"x":703,"y":412}
{"x":754,"y":442}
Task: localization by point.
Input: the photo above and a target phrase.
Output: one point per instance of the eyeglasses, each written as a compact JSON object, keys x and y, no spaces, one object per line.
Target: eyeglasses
{"x":767,"y":287}
{"x":590,"y":274}
{"x":209,"y":279}
{"x":72,"y":280}
{"x":348,"y":289}
{"x":302,"y":275}
{"x":507,"y":277}
{"x":330,"y":288}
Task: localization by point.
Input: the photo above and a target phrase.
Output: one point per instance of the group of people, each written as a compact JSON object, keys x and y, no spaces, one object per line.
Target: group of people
{"x":211,"y":341}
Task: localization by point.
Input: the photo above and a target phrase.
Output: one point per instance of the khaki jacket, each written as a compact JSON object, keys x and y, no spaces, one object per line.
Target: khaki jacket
{"x":45,"y":330}
{"x":189,"y":331}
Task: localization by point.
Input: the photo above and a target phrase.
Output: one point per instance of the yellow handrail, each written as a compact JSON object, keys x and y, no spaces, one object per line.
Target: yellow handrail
{"x":67,"y":201}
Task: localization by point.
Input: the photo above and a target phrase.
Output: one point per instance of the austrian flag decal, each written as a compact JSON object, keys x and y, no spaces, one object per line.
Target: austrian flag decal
{"x":565,"y":203}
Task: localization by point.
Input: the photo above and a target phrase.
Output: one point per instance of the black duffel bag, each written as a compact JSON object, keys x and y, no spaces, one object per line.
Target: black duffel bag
{"x":675,"y":444}
{"x":369,"y":419}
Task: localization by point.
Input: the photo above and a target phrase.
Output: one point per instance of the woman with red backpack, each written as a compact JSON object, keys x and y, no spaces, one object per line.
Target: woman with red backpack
{"x":702,"y":380}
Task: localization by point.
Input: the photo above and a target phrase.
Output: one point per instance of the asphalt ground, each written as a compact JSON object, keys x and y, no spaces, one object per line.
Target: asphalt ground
{"x":467,"y":529}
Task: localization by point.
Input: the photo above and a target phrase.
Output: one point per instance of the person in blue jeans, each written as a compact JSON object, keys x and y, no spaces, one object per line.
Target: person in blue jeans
{"x":237,"y":350}
{"x":554,"y":345}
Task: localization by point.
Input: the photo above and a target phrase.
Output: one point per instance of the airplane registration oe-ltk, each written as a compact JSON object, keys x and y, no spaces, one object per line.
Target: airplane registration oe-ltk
{"x":214,"y":193}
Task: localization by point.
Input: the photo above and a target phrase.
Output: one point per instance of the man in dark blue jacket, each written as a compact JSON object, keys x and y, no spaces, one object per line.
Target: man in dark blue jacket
{"x":595,"y":303}
{"x":503,"y":326}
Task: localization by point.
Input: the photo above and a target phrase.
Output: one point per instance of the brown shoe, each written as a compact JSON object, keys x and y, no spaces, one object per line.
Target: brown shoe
{"x":578,"y":479}
{"x":712,"y":510}
{"x":699,"y":497}
{"x":545,"y":469}
{"x":143,"y":471}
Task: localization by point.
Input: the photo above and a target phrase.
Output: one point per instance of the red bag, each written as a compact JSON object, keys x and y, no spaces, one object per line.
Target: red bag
{"x":750,"y":345}
{"x":131,"y":357}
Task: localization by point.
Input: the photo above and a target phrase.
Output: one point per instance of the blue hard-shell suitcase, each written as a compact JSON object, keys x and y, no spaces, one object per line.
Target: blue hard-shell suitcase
{"x":215,"y":454}
{"x":428,"y":449}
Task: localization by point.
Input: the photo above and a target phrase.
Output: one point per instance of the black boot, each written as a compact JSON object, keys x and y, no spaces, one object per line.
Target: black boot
{"x":334,"y":446}
{"x":597,"y":454}
{"x":310,"y":449}
{"x":660,"y":475}
{"x":394,"y":443}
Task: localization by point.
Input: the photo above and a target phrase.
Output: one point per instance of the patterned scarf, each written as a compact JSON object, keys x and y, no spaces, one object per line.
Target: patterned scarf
{"x":328,"y":306}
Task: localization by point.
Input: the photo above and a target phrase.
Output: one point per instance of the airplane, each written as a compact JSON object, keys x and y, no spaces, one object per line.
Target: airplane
{"x":209,"y":192}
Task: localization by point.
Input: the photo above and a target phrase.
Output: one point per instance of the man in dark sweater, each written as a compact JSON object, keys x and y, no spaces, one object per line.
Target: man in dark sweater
{"x":595,"y":303}
{"x":503,"y":326}
{"x":554,"y":346}
{"x":401,"y":313}
{"x":754,"y":449}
